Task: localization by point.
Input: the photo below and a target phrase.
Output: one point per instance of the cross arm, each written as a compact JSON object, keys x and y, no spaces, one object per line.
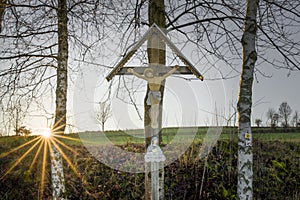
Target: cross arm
{"x":181,"y":70}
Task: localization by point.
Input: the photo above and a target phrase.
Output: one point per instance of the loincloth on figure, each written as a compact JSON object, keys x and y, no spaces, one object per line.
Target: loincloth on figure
{"x":154,"y":97}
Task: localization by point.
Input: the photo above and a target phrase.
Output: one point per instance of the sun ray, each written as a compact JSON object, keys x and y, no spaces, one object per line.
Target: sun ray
{"x":43,"y":144}
{"x":19,"y":147}
{"x":44,"y":168}
{"x":20,"y":159}
{"x":68,"y":138}
{"x":69,"y":162}
{"x":76,"y":139}
{"x":55,"y":127}
{"x":36,"y":156}
{"x":64,"y":145}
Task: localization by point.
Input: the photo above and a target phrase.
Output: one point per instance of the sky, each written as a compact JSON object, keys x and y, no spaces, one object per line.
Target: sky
{"x":281,"y":87}
{"x":186,"y":103}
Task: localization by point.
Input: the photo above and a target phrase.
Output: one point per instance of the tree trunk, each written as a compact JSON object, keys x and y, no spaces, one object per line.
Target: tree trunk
{"x":156,"y":55}
{"x":245,"y":155}
{"x":57,"y":175}
{"x":62,"y":69}
{"x":2,"y":8}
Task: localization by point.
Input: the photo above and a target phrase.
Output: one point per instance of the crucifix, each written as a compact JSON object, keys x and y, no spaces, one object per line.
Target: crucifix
{"x":154,"y":95}
{"x":159,"y":69}
{"x":154,"y":74}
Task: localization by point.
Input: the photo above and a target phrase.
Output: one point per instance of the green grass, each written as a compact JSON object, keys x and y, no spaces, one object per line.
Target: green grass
{"x":286,"y":137}
{"x":276,"y":167}
{"x":137,"y":136}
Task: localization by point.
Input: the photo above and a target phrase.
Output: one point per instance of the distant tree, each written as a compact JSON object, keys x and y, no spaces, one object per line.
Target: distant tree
{"x":275,"y":120}
{"x":258,"y":122}
{"x":270,"y":114}
{"x":35,"y":38}
{"x":295,"y":118}
{"x":284,"y":112}
{"x":23,"y":131}
{"x":103,"y":113}
{"x":15,"y":113}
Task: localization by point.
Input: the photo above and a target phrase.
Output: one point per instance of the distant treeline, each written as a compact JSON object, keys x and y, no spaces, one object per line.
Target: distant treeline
{"x":265,"y":129}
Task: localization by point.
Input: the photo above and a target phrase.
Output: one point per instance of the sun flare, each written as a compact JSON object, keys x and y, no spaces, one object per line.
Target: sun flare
{"x":46,"y":133}
{"x":47,"y":141}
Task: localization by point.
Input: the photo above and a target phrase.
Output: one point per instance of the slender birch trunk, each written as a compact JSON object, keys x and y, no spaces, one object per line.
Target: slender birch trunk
{"x":2,"y":8}
{"x":245,"y":155}
{"x":62,"y":68}
{"x":57,"y":174}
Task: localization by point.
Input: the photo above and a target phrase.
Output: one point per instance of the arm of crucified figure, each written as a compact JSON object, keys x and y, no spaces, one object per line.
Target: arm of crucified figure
{"x":170,"y":72}
{"x":130,"y":70}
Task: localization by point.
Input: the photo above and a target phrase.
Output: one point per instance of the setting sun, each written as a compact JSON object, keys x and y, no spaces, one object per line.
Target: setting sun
{"x":46,"y":133}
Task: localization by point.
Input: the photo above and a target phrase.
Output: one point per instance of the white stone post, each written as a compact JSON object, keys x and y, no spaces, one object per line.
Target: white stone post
{"x":154,"y":160}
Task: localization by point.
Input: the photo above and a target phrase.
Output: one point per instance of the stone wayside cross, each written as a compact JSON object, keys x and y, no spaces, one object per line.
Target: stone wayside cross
{"x":154,"y":74}
{"x":158,"y":71}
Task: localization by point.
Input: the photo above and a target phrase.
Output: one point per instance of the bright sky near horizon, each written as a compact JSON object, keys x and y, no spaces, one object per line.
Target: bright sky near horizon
{"x":186,"y":103}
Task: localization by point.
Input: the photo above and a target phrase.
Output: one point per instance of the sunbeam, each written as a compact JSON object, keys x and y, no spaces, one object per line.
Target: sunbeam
{"x":74,"y":169}
{"x":36,"y":156}
{"x":68,"y":138}
{"x":43,"y":144}
{"x":19,"y":147}
{"x":64,"y":145}
{"x":76,"y":139}
{"x":44,"y":168}
{"x":20,"y":159}
{"x":56,"y":128}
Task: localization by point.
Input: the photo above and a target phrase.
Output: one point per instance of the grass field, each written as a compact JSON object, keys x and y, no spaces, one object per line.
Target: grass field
{"x":137,"y":136}
{"x":276,"y":167}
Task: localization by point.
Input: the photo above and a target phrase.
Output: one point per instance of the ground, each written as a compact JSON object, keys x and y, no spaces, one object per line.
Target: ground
{"x":276,"y":170}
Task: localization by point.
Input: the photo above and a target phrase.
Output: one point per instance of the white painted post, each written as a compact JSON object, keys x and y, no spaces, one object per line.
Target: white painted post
{"x":155,"y":159}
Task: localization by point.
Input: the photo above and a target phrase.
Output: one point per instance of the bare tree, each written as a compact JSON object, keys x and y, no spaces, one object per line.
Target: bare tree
{"x":103,"y":113}
{"x":245,"y":156}
{"x":35,"y":37}
{"x":215,"y":28}
{"x":295,"y":119}
{"x":270,"y":114}
{"x":258,"y":122}
{"x":210,"y":27}
{"x":23,"y":131}
{"x":36,"y":41}
{"x":231,"y":119}
{"x":2,"y":8}
{"x":275,"y":120}
{"x":284,"y":112}
{"x":62,"y":68}
{"x":13,"y":113}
